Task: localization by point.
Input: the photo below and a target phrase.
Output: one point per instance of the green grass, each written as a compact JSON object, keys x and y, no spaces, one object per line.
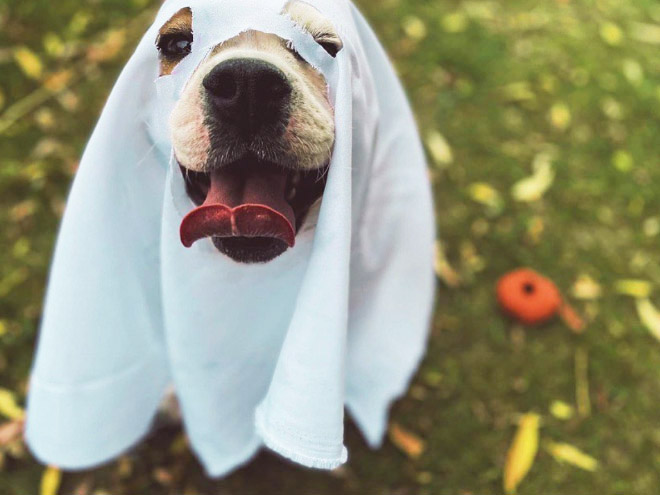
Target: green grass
{"x":486,"y":75}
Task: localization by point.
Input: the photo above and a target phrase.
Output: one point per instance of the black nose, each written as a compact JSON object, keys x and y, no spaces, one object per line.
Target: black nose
{"x":248,"y":93}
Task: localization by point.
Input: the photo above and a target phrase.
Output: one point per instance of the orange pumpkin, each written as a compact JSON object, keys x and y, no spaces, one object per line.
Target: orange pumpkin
{"x":528,"y":296}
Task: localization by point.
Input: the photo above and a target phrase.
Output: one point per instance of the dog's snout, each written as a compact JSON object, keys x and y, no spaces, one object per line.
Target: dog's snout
{"x":248,"y":93}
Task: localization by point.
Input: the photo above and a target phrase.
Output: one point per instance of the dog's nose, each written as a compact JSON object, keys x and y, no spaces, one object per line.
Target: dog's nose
{"x":248,"y":93}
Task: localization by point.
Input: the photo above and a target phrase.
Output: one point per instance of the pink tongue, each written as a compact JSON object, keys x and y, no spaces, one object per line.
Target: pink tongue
{"x":242,"y":203}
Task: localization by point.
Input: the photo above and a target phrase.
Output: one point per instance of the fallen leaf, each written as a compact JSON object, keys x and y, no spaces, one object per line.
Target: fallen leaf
{"x":414,"y":27}
{"x":439,"y":148}
{"x":50,"y":481}
{"x":649,"y":315}
{"x":611,"y":33}
{"x":442,"y":267}
{"x":586,"y":288}
{"x":564,"y":452}
{"x":29,"y":62}
{"x":622,"y":161}
{"x":640,"y":289}
{"x":518,"y":91}
{"x":533,"y":187}
{"x":454,"y":22}
{"x":561,"y":410}
{"x":633,"y":71}
{"x":9,"y":406}
{"x":484,"y":193}
{"x":11,"y":431}
{"x":571,"y":318}
{"x":646,"y":33}
{"x":522,"y":452}
{"x":409,"y":443}
{"x":560,"y":116}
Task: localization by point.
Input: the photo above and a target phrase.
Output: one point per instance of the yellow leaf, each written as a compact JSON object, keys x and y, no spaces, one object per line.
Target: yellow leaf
{"x":622,"y":161}
{"x":442,"y":267}
{"x":8,"y":405}
{"x":455,"y":22}
{"x":53,"y":44}
{"x":561,"y":410}
{"x":533,"y":187}
{"x":586,"y":288}
{"x":50,"y":481}
{"x":409,"y":443}
{"x":29,"y":62}
{"x":564,"y":452}
{"x":485,"y":194}
{"x":650,"y":316}
{"x":560,"y":116}
{"x":646,"y":33}
{"x":414,"y":27}
{"x":611,"y":33}
{"x":439,"y":148}
{"x":632,"y":287}
{"x":522,"y":452}
{"x":633,"y":71}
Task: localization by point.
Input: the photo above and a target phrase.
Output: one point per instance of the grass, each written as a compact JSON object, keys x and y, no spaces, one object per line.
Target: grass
{"x":502,"y":81}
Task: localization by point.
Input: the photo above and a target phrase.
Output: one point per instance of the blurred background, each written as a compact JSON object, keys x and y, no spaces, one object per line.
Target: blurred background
{"x":541,"y":123}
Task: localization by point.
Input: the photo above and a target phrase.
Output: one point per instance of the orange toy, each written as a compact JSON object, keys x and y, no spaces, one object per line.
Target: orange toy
{"x":528,"y":296}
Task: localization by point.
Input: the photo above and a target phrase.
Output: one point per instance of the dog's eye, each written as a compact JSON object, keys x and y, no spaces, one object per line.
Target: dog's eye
{"x":330,"y":44}
{"x":175,"y":45}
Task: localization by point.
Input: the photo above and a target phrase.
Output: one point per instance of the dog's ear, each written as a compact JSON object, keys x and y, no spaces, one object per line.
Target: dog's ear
{"x":316,"y":24}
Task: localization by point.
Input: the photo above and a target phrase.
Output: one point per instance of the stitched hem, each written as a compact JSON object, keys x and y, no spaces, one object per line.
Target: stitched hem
{"x":278,"y":445}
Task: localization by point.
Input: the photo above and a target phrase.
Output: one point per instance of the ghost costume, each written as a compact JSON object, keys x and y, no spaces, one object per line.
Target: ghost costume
{"x":259,"y":354}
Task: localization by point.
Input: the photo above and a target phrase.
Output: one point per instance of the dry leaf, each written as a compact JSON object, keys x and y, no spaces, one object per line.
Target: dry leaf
{"x":611,"y":33}
{"x":564,"y":452}
{"x":442,"y":267}
{"x":522,"y":452}
{"x":11,"y":431}
{"x":29,"y":62}
{"x":487,"y":195}
{"x":50,"y":481}
{"x":409,"y":443}
{"x":533,"y":187}
{"x":586,"y":288}
{"x":560,"y":116}
{"x":561,"y":410}
{"x":8,"y":405}
{"x":414,"y":28}
{"x":640,"y":289}
{"x":650,"y":316}
{"x":571,"y":318}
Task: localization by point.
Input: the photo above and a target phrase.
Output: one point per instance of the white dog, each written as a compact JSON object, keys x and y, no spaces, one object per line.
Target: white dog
{"x":252,"y":223}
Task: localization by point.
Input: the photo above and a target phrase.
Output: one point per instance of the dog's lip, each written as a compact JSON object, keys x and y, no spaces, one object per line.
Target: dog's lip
{"x":249,"y":198}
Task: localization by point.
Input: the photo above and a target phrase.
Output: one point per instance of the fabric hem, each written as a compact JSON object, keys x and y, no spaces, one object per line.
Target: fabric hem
{"x":277,"y":445}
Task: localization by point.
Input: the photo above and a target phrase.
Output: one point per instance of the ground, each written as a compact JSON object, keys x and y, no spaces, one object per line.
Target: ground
{"x":496,"y":86}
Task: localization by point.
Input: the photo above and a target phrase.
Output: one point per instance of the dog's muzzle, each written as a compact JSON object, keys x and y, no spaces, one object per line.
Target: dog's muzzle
{"x":250,"y":207}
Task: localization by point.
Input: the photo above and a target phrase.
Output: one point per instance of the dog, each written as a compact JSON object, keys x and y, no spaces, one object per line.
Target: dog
{"x":273,"y":139}
{"x":253,"y":134}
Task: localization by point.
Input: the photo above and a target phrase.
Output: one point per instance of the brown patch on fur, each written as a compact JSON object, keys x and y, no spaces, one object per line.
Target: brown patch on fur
{"x":181,"y":22}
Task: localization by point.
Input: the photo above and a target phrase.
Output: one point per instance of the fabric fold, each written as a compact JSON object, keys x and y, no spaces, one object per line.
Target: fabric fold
{"x":263,"y":354}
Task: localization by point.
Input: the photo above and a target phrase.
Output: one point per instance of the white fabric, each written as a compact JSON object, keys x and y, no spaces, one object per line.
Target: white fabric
{"x":259,"y":354}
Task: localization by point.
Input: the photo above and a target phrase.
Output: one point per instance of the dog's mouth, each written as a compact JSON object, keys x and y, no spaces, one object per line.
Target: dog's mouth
{"x":251,"y":208}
